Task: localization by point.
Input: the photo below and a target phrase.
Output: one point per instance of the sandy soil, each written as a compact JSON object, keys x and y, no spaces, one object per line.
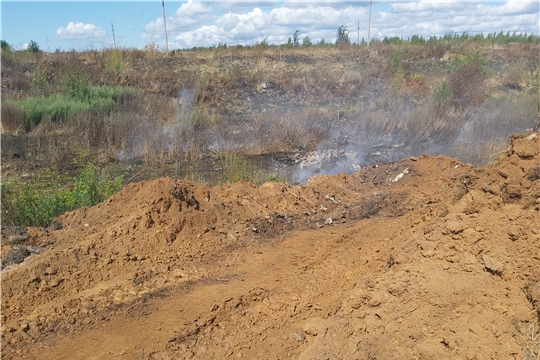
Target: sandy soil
{"x":426,"y":258}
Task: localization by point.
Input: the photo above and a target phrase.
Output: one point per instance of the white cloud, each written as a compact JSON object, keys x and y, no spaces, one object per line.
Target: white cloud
{"x":195,"y":23}
{"x":80,"y":31}
{"x":193,"y":8}
{"x":188,"y":16}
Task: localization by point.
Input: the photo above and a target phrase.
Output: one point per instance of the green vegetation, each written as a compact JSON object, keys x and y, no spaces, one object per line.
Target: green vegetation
{"x":32,"y":47}
{"x":37,"y":204}
{"x":442,"y":97}
{"x":62,"y":106}
{"x":460,"y":61}
{"x":342,"y":37}
{"x":235,"y":167}
{"x":6,"y":46}
{"x":230,"y":113}
{"x":75,"y":96}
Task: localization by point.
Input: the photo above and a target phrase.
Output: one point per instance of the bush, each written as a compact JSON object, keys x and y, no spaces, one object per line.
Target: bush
{"x":32,"y":47}
{"x":514,"y":76}
{"x":40,"y":80}
{"x":30,"y":205}
{"x":114,"y":63}
{"x":467,"y":85}
{"x":6,"y":46}
{"x":442,"y":98}
{"x":475,"y":58}
{"x":75,"y":85}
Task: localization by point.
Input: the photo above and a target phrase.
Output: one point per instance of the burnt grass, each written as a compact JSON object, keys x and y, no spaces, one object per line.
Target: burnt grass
{"x":268,"y":113}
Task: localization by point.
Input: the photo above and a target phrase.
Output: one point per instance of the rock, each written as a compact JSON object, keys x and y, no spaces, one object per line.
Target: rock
{"x":50,"y":271}
{"x":299,"y":335}
{"x":315,"y":326}
{"x":471,"y":236}
{"x":455,"y":227}
{"x":16,"y":239}
{"x":493,"y":265}
{"x":513,"y":191}
{"x":18,"y":230}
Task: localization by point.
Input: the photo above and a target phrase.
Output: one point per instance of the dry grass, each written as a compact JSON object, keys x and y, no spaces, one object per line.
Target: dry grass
{"x":267,"y":100}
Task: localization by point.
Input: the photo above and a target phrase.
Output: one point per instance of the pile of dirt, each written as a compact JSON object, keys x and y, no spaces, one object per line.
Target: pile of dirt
{"x":423,"y":258}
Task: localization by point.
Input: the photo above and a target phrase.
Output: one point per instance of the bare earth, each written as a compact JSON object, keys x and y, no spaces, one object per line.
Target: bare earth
{"x":426,"y":258}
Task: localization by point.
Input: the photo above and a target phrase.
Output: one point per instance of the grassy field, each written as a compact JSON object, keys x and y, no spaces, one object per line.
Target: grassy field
{"x":260,"y":113}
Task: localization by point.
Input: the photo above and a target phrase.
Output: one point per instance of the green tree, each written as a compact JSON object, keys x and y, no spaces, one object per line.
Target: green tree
{"x":32,"y":47}
{"x":343,"y":36}
{"x":296,"y":37}
{"x":6,"y":46}
{"x":306,"y":41}
{"x":289,"y":43}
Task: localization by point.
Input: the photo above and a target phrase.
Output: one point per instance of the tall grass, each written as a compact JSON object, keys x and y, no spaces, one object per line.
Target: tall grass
{"x":62,"y":106}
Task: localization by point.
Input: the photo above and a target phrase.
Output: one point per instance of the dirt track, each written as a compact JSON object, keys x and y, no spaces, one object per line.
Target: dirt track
{"x":425,"y":258}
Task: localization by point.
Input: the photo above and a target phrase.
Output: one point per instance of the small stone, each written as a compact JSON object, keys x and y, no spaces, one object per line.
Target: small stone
{"x":493,"y":265}
{"x":50,"y":271}
{"x":315,"y":326}
{"x":299,"y":335}
{"x":455,"y":226}
{"x":16,"y":239}
{"x":513,"y":191}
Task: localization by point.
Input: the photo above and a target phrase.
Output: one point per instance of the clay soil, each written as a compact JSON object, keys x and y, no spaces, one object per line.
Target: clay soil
{"x":425,"y":258}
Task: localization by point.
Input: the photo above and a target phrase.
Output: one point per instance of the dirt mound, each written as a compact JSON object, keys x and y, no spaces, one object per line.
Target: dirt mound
{"x":423,"y":258}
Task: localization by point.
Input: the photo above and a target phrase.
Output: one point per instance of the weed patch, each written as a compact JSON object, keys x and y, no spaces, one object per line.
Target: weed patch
{"x":37,"y":205}
{"x":60,"y":107}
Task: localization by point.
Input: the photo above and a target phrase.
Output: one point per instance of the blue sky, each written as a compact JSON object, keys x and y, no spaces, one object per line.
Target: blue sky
{"x":87,"y":25}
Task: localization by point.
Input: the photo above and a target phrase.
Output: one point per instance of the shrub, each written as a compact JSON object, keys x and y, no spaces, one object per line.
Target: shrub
{"x":75,"y":85}
{"x":475,"y":58}
{"x":32,"y":47}
{"x":514,"y":76}
{"x":114,"y":63}
{"x":442,"y":98}
{"x":6,"y":46}
{"x":397,"y":61}
{"x":306,"y":41}
{"x":40,"y":81}
{"x":467,"y":85}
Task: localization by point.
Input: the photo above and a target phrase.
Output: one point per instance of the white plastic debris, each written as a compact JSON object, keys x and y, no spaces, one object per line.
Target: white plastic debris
{"x":401,"y":174}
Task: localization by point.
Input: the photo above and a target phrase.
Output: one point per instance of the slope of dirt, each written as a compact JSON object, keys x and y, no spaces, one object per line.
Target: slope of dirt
{"x":425,"y":258}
